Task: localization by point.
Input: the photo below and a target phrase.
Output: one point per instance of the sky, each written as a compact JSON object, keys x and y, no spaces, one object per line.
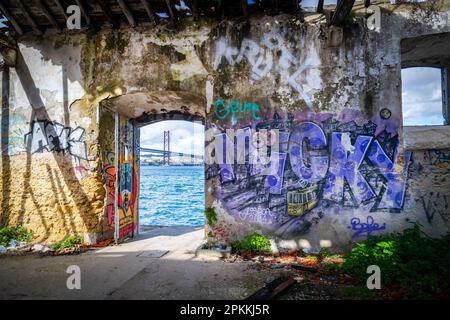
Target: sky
{"x":2,"y":19}
{"x":185,"y":137}
{"x":422,"y":96}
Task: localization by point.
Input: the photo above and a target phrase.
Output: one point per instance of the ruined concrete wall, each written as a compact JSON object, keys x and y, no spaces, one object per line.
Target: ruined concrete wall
{"x":58,"y":135}
{"x":49,"y":178}
{"x":334,"y":96}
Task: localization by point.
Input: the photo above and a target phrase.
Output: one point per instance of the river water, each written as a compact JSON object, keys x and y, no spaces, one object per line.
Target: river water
{"x":172,"y":196}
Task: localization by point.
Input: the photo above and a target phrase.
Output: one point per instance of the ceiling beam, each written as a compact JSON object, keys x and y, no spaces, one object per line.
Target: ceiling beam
{"x":84,"y":11}
{"x":343,"y":8}
{"x":61,"y":8}
{"x":295,"y":6}
{"x":107,"y":12}
{"x":220,"y":10}
{"x":275,"y":7}
{"x":127,"y":12}
{"x":319,"y":8}
{"x":48,"y":14}
{"x":149,"y":9}
{"x":29,"y":18}
{"x":195,"y":12}
{"x":11,"y":19}
{"x":170,"y":8}
{"x":244,"y":8}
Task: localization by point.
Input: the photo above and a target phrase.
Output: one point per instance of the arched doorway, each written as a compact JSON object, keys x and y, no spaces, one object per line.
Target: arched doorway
{"x":172,"y":183}
{"x":120,"y":120}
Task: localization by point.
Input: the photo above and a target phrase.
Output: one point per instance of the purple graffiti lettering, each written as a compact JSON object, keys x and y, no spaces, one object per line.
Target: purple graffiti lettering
{"x":345,"y":162}
{"x":394,"y":196}
{"x":224,"y":148}
{"x":274,"y":182}
{"x":313,"y":168}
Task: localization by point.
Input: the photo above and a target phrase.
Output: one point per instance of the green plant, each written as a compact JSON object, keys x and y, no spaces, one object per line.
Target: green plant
{"x":410,"y":260}
{"x":211,"y":216}
{"x":253,"y":243}
{"x":17,"y":233}
{"x":68,"y":242}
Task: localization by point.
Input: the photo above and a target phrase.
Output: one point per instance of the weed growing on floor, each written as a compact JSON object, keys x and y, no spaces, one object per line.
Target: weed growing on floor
{"x":17,"y":233}
{"x":253,"y":243}
{"x":68,"y":242}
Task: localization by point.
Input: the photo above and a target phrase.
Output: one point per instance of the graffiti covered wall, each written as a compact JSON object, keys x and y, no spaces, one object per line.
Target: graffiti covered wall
{"x":58,"y":173}
{"x":323,"y":102}
{"x":338,"y":171}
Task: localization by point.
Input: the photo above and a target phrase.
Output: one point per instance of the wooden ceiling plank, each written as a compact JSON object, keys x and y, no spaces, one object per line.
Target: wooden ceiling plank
{"x":244,"y":8}
{"x":195,"y":12}
{"x":127,"y":12}
{"x":84,"y":11}
{"x":107,"y":12}
{"x":47,"y":14}
{"x":220,"y":10}
{"x":29,"y":18}
{"x":149,"y":9}
{"x":320,"y":6}
{"x":343,"y":8}
{"x":61,"y":8}
{"x":170,"y":9}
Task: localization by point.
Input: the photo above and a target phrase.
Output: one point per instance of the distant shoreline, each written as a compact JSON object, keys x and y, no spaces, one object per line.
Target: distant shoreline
{"x":172,"y":165}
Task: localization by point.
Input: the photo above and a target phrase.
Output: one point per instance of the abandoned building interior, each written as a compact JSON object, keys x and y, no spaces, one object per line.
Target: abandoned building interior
{"x":74,"y":100}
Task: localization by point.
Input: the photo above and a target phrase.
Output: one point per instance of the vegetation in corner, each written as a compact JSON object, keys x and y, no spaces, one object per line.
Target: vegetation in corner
{"x":211,"y":216}
{"x":17,"y":233}
{"x":66,"y":243}
{"x":253,"y":243}
{"x":411,"y":261}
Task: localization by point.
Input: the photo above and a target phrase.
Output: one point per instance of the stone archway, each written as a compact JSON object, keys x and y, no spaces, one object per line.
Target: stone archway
{"x":132,"y":111}
{"x":148,"y":107}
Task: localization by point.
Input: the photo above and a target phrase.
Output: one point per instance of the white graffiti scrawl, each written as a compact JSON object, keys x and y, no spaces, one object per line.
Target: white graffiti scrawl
{"x":53,"y":136}
{"x":273,"y":55}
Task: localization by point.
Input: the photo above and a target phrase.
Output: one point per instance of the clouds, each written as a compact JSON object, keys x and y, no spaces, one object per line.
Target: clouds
{"x":185,"y":137}
{"x":422,"y":96}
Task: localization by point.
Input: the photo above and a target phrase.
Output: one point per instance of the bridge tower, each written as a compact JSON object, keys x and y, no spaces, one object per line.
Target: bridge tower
{"x":166,"y":155}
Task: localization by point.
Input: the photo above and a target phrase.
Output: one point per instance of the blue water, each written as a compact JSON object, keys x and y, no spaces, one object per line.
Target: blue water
{"x":171,"y":196}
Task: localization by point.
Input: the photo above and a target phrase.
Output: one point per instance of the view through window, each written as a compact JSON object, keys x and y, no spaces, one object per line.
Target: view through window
{"x":422,"y":96}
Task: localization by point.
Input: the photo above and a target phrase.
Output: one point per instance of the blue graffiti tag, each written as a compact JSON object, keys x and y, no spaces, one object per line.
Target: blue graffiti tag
{"x":367,"y":227}
{"x":345,"y":162}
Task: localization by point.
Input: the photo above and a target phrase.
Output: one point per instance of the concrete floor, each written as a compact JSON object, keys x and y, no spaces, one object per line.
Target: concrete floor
{"x":133,"y":271}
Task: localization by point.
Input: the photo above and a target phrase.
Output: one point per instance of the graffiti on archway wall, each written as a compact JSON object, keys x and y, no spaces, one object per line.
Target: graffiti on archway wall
{"x":326,"y":162}
{"x":128,"y":175}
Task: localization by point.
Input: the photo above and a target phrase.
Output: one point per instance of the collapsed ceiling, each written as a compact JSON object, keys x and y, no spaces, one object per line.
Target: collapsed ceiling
{"x":37,"y":16}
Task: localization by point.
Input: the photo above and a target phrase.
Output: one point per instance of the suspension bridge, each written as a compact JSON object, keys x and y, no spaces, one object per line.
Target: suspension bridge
{"x":166,"y":154}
